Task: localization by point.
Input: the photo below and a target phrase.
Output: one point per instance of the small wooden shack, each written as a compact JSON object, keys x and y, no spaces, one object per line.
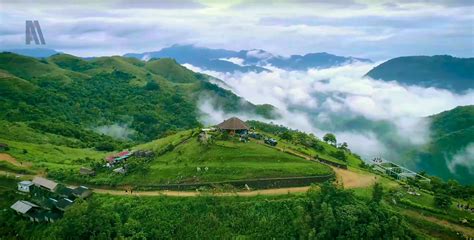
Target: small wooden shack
{"x":86,"y":171}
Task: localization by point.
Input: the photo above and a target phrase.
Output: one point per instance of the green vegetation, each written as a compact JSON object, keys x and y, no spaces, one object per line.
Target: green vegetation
{"x":8,"y":167}
{"x":181,"y":158}
{"x":125,"y":98}
{"x":308,"y":144}
{"x":327,"y":214}
{"x":451,"y":133}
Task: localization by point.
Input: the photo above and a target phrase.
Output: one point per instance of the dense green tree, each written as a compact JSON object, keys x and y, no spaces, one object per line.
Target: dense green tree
{"x":442,"y":200}
{"x":377,"y":192}
{"x":330,"y":138}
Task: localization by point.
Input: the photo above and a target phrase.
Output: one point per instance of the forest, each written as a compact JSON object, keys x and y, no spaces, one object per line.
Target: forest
{"x":328,"y":213}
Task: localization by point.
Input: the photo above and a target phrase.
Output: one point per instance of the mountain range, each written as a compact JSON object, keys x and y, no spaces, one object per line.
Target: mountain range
{"x":222,"y":60}
{"x":245,"y":60}
{"x":64,"y":93}
{"x":441,"y":71}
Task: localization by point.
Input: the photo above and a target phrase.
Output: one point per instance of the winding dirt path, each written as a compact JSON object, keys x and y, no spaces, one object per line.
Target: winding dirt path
{"x":348,"y":178}
{"x":276,"y":191}
{"x":8,"y":158}
{"x":456,"y":227}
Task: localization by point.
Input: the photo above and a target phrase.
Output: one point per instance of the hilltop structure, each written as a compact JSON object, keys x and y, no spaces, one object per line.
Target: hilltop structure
{"x":233,"y":125}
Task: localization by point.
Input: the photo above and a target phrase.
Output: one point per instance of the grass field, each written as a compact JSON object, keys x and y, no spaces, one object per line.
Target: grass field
{"x":224,"y":160}
{"x":49,"y":156}
{"x":351,"y":160}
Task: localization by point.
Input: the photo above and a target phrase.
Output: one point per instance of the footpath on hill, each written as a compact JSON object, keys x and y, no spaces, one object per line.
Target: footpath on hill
{"x":8,"y":158}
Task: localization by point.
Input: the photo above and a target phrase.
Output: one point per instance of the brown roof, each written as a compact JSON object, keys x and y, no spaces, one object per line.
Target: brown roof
{"x":43,"y":182}
{"x":233,"y":123}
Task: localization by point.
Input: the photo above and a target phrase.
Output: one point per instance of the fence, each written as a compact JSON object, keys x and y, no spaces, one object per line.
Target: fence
{"x":335,"y":164}
{"x":241,"y":184}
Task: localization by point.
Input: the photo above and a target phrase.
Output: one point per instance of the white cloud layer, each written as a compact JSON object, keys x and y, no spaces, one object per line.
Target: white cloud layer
{"x":323,"y":100}
{"x":464,"y":158}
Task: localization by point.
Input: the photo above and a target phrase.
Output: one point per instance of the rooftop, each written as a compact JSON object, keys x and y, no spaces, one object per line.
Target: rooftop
{"x":43,"y":182}
{"x":23,"y":206}
{"x":233,"y":123}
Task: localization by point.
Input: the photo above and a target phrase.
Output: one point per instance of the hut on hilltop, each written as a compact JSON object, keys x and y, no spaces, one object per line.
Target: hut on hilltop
{"x":233,"y":125}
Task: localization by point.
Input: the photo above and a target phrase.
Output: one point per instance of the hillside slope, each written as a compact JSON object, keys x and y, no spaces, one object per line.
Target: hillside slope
{"x":444,"y":72}
{"x":446,"y":155}
{"x":121,"y":97}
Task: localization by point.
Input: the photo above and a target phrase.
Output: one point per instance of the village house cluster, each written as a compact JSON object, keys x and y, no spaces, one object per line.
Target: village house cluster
{"x":48,"y":199}
{"x":113,"y":161}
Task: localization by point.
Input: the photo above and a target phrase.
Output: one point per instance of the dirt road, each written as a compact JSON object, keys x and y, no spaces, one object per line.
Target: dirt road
{"x":348,"y":178}
{"x":8,"y":158}
{"x":277,"y":191}
{"x":456,"y":227}
{"x":352,"y":179}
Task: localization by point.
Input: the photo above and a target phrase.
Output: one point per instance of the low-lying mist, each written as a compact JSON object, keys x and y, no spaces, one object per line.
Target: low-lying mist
{"x":376,"y":118}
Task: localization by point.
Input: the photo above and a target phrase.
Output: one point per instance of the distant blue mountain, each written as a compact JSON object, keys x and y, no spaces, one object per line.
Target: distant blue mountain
{"x":33,"y":52}
{"x":250,"y":60}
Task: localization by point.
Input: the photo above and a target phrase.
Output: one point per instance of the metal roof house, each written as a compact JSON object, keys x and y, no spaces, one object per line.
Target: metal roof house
{"x":63,"y":203}
{"x":24,"y":186}
{"x":23,"y":207}
{"x":81,"y":192}
{"x":233,"y":125}
{"x":45,"y":183}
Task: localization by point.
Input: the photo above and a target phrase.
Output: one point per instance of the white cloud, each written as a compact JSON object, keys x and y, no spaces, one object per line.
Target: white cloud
{"x":118,"y":27}
{"x":234,"y":60}
{"x":464,"y":158}
{"x":318,"y":100}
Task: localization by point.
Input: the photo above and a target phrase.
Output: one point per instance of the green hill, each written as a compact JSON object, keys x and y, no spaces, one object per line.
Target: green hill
{"x":451,"y":132}
{"x":182,"y":158}
{"x":437,"y":71}
{"x":147,"y":99}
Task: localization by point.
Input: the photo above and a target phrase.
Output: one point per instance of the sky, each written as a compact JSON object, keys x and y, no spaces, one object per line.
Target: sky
{"x":374,"y":29}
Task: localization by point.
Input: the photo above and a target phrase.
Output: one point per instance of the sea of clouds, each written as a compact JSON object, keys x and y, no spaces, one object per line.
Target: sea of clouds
{"x":376,"y":118}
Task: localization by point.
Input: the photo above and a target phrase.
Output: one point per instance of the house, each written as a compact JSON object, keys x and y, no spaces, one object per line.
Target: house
{"x":86,"y":171}
{"x":24,"y":186}
{"x":64,"y":191}
{"x":28,"y":209}
{"x":63,"y":203}
{"x":81,"y":192}
{"x":23,"y":207}
{"x":45,"y":183}
{"x":120,"y":170}
{"x":233,"y":125}
{"x":51,"y":216}
{"x":119,"y":157}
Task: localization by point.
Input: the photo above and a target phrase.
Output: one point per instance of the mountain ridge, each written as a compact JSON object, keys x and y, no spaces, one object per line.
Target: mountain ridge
{"x":439,"y":71}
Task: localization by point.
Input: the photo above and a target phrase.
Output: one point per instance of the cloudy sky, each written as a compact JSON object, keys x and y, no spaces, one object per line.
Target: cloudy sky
{"x":373,"y":29}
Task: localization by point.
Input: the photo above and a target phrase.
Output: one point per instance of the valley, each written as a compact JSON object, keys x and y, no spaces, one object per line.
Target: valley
{"x":130,"y":131}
